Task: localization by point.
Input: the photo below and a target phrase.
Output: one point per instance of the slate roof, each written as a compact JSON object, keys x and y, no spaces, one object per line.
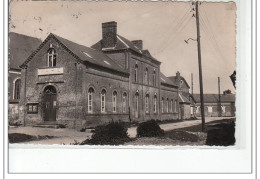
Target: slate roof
{"x":89,"y":55}
{"x":173,"y":78}
{"x":213,"y":98}
{"x":123,"y":43}
{"x":167,"y":81}
{"x":20,"y":48}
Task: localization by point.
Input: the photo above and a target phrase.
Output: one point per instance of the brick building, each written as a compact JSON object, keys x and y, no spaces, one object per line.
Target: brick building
{"x":212,"y":106}
{"x":20,"y":47}
{"x":116,"y":79}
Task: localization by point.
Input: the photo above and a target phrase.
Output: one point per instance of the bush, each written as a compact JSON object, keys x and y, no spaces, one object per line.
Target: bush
{"x":149,"y":129}
{"x":112,"y":134}
{"x":224,"y":135}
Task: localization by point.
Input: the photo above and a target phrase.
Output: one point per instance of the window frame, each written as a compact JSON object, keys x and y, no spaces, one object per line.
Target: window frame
{"x":114,"y":100}
{"x":90,"y":100}
{"x":17,"y":90}
{"x":34,"y":108}
{"x":51,"y":58}
{"x":155,"y":104}
{"x":147,"y":103}
{"x":103,"y":101}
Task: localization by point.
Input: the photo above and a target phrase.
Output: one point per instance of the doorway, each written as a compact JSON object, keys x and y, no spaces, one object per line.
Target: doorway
{"x":49,"y":103}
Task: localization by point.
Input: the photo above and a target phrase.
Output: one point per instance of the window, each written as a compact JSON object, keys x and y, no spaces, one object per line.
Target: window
{"x":146,"y":76}
{"x":32,"y":108}
{"x":209,"y":108}
{"x":136,"y":101}
{"x":114,"y":101}
{"x":154,"y":78}
{"x":162,"y":104}
{"x":51,"y":58}
{"x":136,"y":73}
{"x":17,"y":88}
{"x":175,"y":106}
{"x":90,"y":99}
{"x":223,"y":108}
{"x":103,"y":100}
{"x":155,"y":104}
{"x":124,"y":102}
{"x":171,"y":107}
{"x":147,"y":103}
{"x":167,"y":105}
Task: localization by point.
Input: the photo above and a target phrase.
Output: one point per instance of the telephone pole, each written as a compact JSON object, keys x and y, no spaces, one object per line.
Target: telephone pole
{"x":200,"y":68}
{"x":219,"y":99}
{"x":192,"y":84}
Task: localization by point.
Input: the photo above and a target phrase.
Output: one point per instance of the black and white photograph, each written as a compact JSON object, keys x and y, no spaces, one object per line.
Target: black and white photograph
{"x":113,"y":73}
{"x":128,"y":87}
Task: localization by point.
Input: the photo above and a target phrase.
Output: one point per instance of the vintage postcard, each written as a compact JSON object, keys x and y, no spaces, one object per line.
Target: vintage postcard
{"x":114,"y":74}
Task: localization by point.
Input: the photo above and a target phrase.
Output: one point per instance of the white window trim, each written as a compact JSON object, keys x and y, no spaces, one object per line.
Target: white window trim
{"x":155,"y":104}
{"x":167,"y":105}
{"x":175,"y":106}
{"x":51,"y":55}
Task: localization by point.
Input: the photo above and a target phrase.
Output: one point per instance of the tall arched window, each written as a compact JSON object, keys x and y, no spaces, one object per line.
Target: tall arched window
{"x":147,"y":103}
{"x":114,"y":101}
{"x":17,"y":88}
{"x":51,"y":58}
{"x":103,"y":100}
{"x":154,"y":103}
{"x":136,"y":72}
{"x":146,"y":76}
{"x":154,"y":78}
{"x":171,"y":106}
{"x":124,"y":101}
{"x":90,"y":99}
{"x":136,"y":101}
{"x":167,"y":105}
{"x":162,"y":104}
{"x":175,"y":106}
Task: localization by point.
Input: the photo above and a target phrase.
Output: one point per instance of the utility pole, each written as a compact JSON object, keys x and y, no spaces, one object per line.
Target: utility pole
{"x":200,"y":68}
{"x":219,"y":99}
{"x":192,"y":84}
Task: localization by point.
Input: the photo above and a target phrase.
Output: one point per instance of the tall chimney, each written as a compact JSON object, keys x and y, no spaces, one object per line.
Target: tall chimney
{"x":109,"y":34}
{"x":138,"y":44}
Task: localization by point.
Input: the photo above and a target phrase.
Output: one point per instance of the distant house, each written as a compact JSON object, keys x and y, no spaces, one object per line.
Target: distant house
{"x":185,"y":99}
{"x":214,"y":107}
{"x":20,"y":47}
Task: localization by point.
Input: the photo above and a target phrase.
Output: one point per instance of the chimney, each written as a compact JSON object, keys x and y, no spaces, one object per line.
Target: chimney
{"x":109,"y":34}
{"x":138,"y":44}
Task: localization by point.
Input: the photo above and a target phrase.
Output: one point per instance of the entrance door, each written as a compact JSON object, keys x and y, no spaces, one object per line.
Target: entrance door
{"x":49,"y":103}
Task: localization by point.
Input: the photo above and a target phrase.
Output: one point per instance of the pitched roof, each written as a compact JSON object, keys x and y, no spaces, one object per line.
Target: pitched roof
{"x":183,"y":99}
{"x":167,"y":81}
{"x":213,"y":98}
{"x":123,"y":43}
{"x":174,"y":79}
{"x":20,"y":48}
{"x":89,"y":55}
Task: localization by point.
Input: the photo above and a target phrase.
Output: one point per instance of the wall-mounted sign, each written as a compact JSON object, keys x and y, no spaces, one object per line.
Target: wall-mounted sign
{"x":50,"y":71}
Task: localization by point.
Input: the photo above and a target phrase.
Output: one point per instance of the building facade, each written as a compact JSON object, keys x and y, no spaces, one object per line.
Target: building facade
{"x":20,"y":47}
{"x":213,"y":107}
{"x":116,"y":79}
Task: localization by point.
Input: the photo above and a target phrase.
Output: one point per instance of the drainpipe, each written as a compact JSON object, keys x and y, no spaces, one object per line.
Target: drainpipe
{"x":25,"y":74}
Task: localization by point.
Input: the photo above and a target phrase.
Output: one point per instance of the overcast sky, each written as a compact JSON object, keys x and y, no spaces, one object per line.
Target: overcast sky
{"x":163,"y":27}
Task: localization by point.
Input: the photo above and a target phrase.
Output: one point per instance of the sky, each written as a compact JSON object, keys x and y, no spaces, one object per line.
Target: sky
{"x":163,"y":27}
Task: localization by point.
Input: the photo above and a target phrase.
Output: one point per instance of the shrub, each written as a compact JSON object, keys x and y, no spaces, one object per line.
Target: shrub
{"x":113,"y":133}
{"x":149,"y":129}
